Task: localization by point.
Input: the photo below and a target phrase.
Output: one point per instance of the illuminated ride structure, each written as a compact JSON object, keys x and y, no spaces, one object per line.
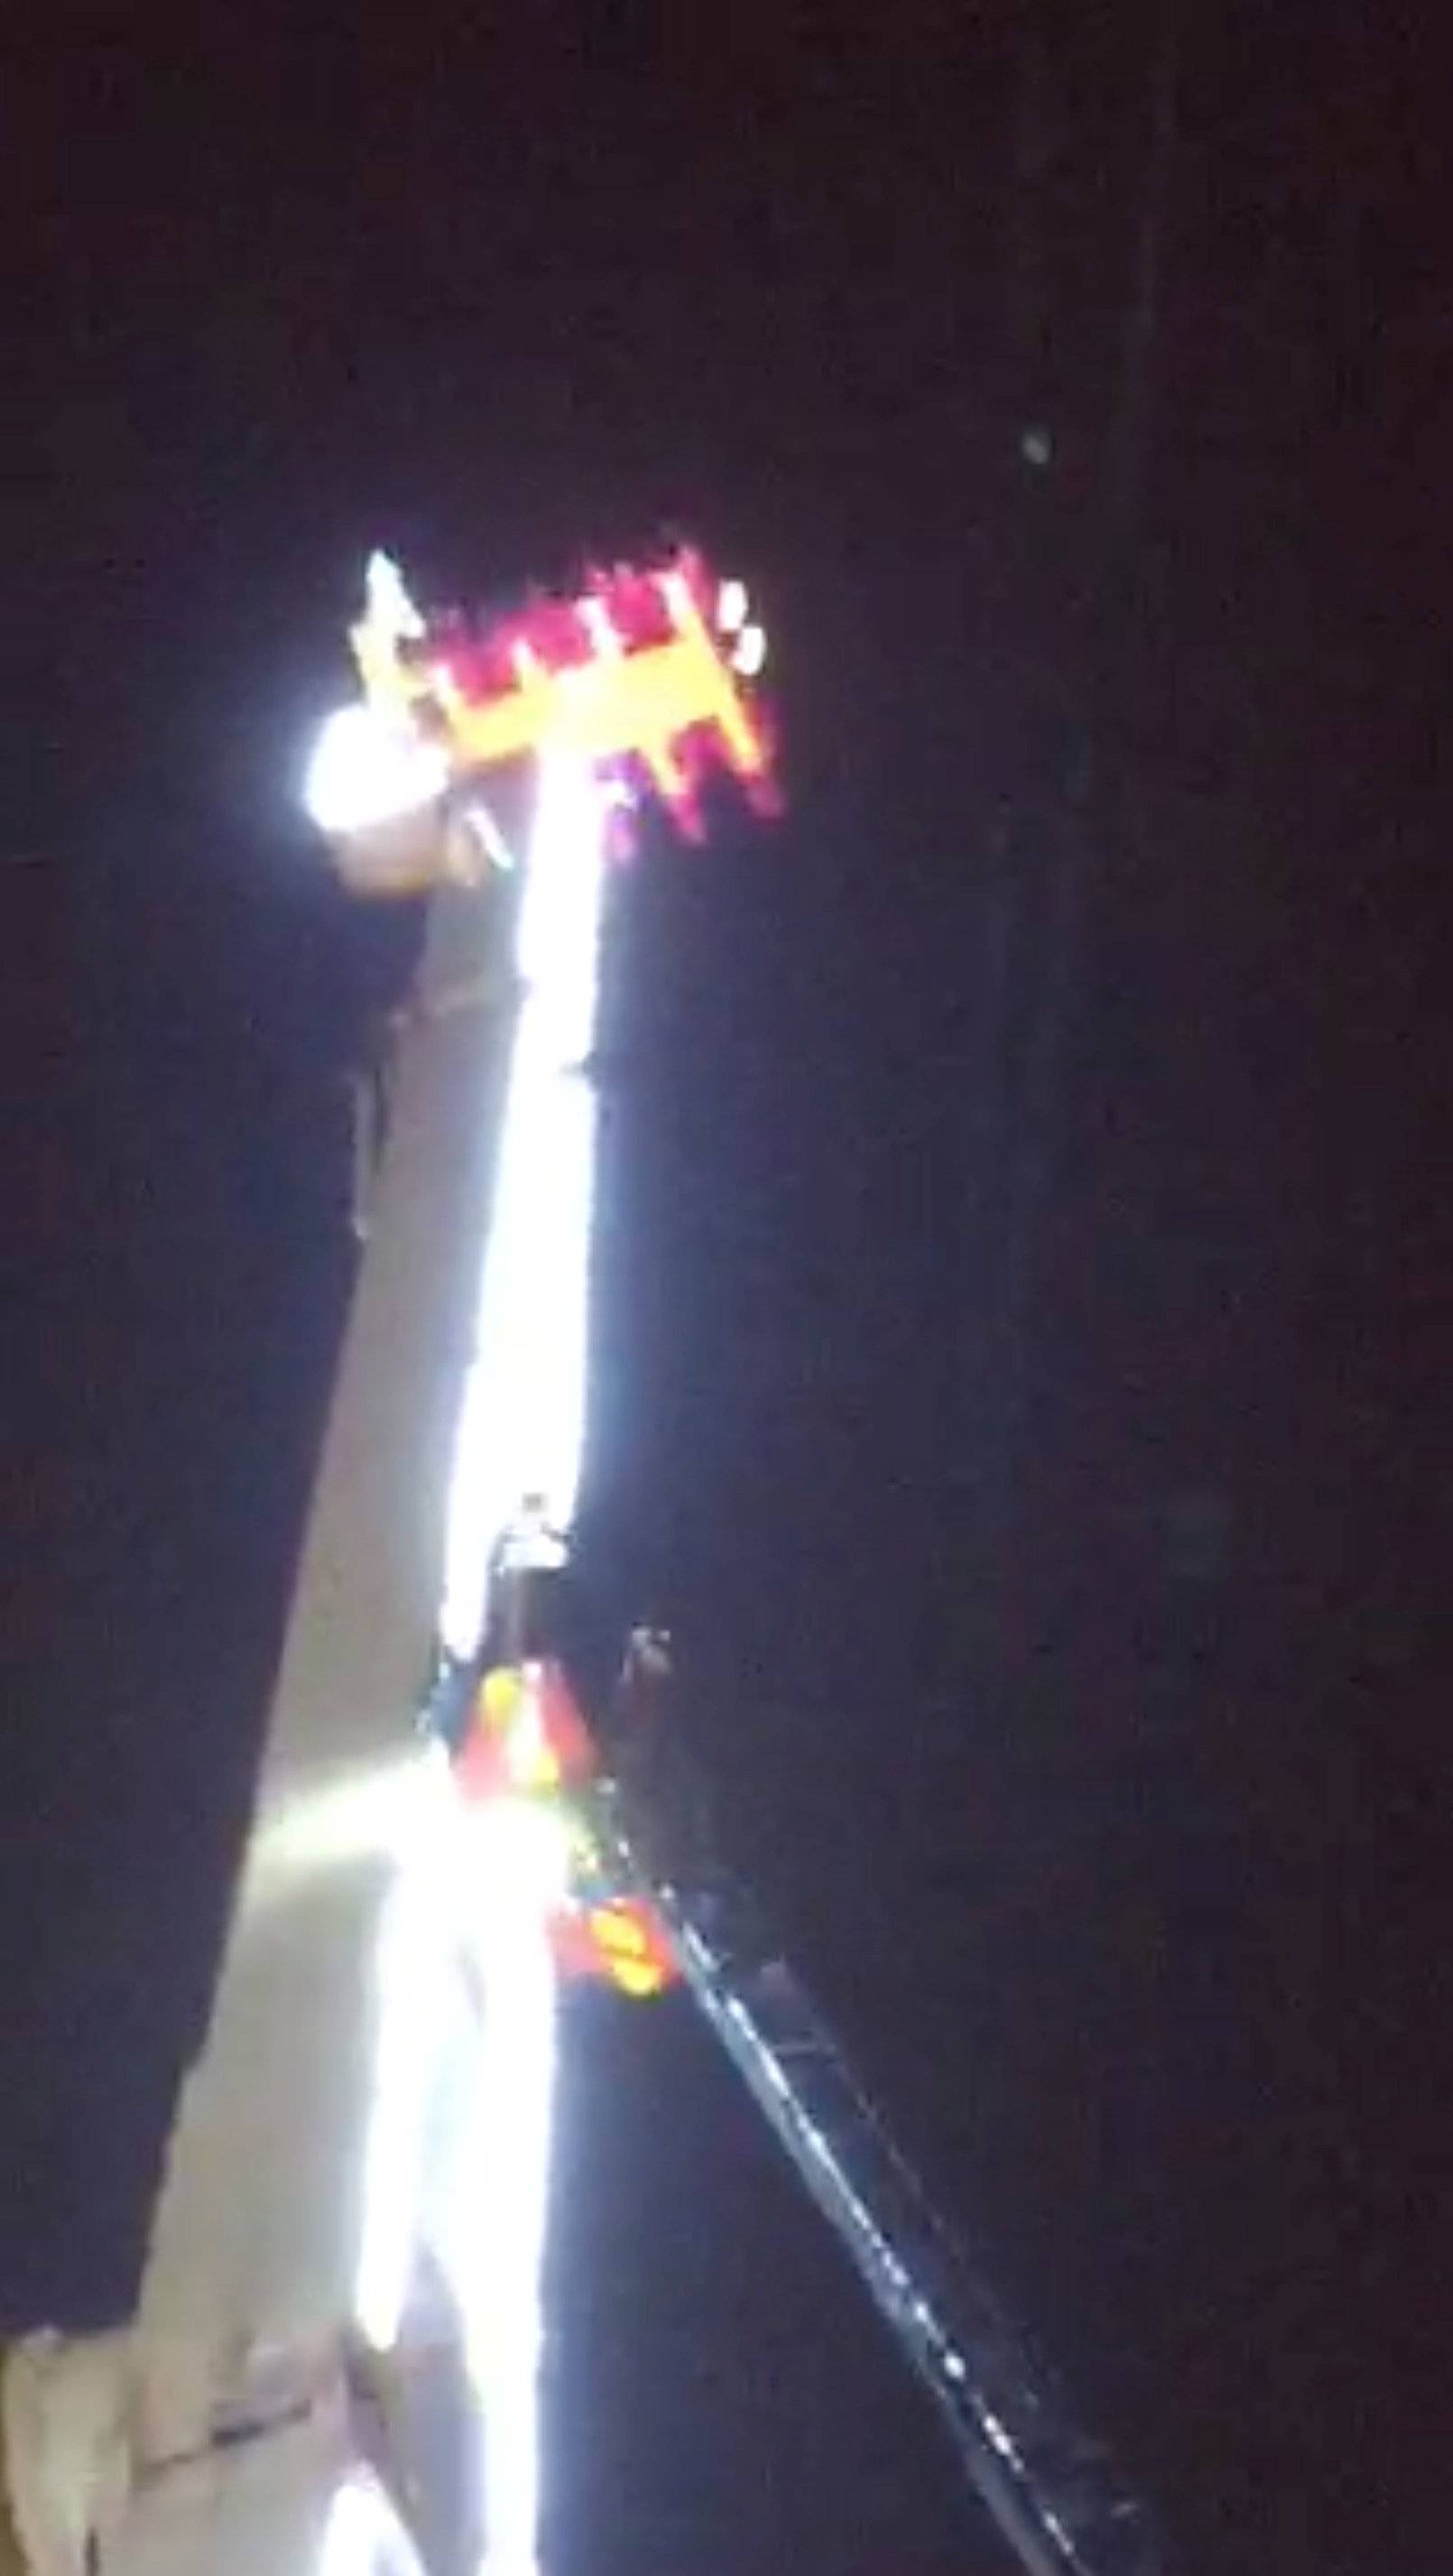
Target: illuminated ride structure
{"x":347,"y":2245}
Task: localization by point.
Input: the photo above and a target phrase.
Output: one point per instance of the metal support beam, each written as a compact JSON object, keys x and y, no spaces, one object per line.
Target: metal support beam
{"x":1054,"y":2491}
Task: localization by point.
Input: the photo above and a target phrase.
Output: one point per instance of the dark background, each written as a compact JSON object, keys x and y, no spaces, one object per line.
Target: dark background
{"x":1018,"y":1373}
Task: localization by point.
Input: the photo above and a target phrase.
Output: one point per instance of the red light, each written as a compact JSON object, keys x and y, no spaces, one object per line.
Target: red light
{"x":656,"y":702}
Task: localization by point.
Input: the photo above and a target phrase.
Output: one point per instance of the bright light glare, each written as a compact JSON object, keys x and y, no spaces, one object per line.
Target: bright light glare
{"x":520,"y":1433}
{"x":519,"y":1866}
{"x":389,"y":604}
{"x":492,"y":2244}
{"x":368,"y":768}
{"x":750,"y":652}
{"x":596,"y":619}
{"x":731,"y":606}
{"x":415,"y":1968}
{"x":358,"y":1813}
{"x":363,"y":2535}
{"x":522,"y":1422}
{"x":484,"y":1884}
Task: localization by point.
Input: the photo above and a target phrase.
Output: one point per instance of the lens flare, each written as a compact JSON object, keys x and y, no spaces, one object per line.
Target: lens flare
{"x":477,"y":1889}
{"x":522,"y":1423}
{"x":363,"y":2536}
{"x":492,"y":2238}
{"x":369,"y":767}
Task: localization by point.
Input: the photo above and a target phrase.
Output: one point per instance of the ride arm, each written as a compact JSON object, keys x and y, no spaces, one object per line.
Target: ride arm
{"x":1054,"y":2492}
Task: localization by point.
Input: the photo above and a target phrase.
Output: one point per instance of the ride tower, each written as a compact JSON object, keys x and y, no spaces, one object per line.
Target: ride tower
{"x":355,"y":2178}
{"x":345,"y":2258}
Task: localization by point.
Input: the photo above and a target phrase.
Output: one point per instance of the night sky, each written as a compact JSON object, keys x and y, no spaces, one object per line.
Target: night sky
{"x":1023,"y":1247}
